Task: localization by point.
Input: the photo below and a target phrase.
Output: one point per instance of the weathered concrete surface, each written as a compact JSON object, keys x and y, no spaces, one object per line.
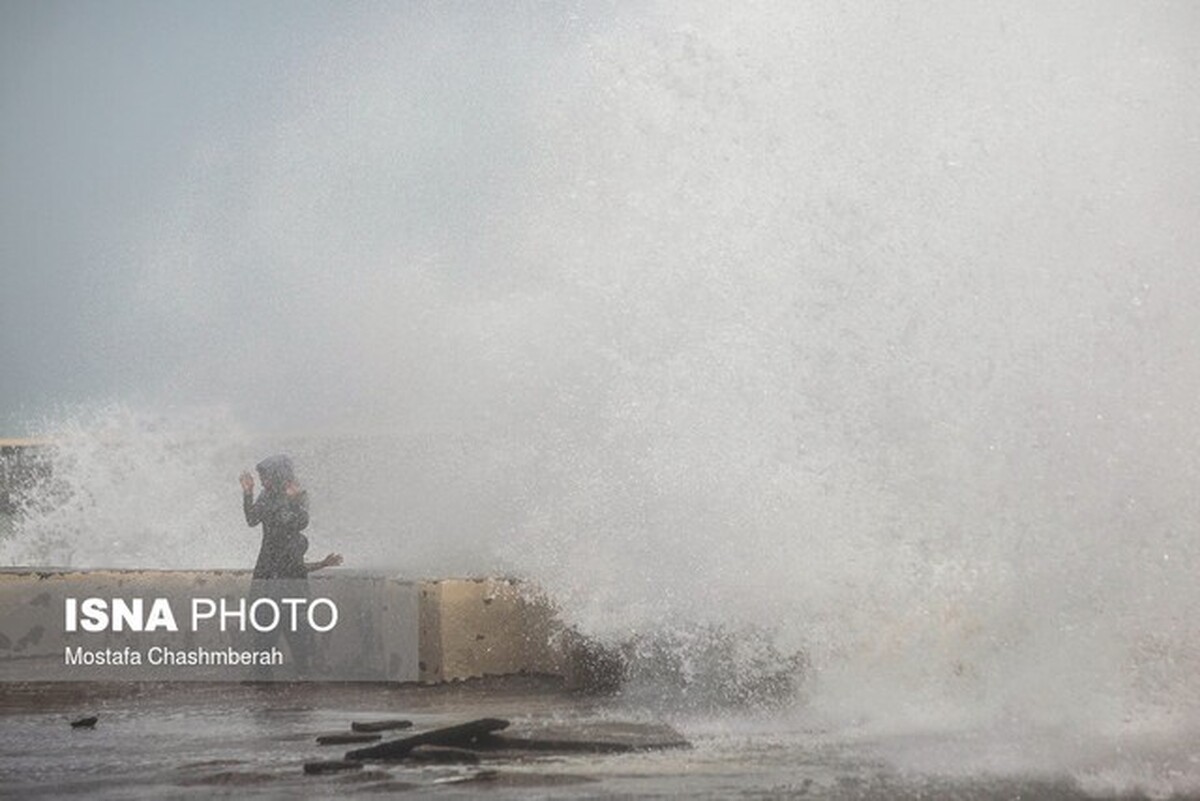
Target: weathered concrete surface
{"x":388,"y":629}
{"x":376,"y":638}
{"x":471,"y":628}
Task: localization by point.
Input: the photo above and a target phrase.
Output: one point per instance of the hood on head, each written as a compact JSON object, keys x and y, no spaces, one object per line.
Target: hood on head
{"x":275,"y":471}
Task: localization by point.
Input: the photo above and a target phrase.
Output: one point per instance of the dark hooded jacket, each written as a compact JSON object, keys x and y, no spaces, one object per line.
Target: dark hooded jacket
{"x":283,"y":546}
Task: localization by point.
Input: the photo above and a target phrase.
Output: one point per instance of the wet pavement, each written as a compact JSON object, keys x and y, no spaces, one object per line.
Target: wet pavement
{"x":246,"y":741}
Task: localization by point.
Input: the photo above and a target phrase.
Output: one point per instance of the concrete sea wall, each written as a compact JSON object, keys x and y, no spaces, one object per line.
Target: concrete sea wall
{"x":487,"y":627}
{"x":388,"y":629}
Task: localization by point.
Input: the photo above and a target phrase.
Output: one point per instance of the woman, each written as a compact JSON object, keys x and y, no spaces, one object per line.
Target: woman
{"x":282,"y":509}
{"x":281,"y":572}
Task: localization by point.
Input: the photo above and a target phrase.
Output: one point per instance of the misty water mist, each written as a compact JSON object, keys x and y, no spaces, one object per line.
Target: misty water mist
{"x":870,"y":328}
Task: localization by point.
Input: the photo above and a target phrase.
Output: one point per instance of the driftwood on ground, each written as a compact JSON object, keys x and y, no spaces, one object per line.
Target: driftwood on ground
{"x":380,"y":725}
{"x":464,"y":734}
{"x":348,"y":739}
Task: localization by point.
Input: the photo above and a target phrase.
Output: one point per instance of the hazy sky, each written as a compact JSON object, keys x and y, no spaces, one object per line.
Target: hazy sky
{"x":186,"y":186}
{"x":113,"y":112}
{"x":103,"y":103}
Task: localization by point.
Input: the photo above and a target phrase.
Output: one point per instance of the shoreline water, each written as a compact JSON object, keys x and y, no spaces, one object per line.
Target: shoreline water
{"x":181,"y":740}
